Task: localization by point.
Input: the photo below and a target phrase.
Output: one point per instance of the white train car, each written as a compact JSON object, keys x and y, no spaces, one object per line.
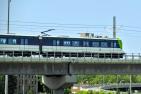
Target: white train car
{"x":100,"y":47}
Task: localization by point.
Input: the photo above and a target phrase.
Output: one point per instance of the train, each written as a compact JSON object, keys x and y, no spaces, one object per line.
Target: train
{"x":61,"y":46}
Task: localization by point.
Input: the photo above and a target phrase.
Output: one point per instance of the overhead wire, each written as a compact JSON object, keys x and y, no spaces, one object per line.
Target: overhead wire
{"x":59,"y":24}
{"x":30,"y":26}
{"x":135,"y":27}
{"x":18,"y":21}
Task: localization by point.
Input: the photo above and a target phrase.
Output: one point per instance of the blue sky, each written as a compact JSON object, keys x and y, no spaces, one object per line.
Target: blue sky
{"x":99,"y":13}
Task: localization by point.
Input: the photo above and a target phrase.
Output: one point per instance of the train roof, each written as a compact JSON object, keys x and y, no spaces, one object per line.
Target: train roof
{"x":58,"y":36}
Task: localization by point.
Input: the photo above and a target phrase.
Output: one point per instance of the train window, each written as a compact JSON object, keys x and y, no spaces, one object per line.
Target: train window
{"x":12,"y":41}
{"x":104,"y":44}
{"x":115,"y":45}
{"x":85,"y":43}
{"x":95,"y":44}
{"x":56,"y":42}
{"x":67,"y":43}
{"x":111,"y":45}
{"x":26,"y":41}
{"x":2,"y":40}
{"x":22,"y":41}
{"x":75,"y":43}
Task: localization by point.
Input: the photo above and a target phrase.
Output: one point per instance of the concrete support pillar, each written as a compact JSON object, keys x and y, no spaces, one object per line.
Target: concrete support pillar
{"x":58,"y":83}
{"x":53,"y":82}
{"x":58,"y":91}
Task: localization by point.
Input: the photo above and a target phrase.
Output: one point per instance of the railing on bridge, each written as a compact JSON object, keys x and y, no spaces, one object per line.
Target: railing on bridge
{"x":90,"y":58}
{"x":109,"y":85}
{"x":121,"y":85}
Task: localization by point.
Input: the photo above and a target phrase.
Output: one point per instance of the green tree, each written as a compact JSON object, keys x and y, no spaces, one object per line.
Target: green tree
{"x":67,"y":91}
{"x":2,"y":81}
{"x":30,"y":91}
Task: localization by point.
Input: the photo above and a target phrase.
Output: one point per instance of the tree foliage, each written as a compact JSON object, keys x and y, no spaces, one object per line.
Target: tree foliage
{"x":2,"y":84}
{"x":101,"y":79}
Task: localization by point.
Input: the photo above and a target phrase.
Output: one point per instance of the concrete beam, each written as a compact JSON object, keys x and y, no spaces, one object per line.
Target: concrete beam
{"x":12,"y":68}
{"x":58,"y":91}
{"x":104,"y":68}
{"x":42,"y":68}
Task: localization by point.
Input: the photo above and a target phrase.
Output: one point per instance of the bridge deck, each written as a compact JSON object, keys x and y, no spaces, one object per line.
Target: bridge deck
{"x":70,"y":65}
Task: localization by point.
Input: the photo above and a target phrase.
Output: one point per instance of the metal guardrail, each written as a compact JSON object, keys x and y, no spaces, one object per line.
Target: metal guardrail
{"x":110,"y":85}
{"x":13,"y":57}
{"x":120,"y":85}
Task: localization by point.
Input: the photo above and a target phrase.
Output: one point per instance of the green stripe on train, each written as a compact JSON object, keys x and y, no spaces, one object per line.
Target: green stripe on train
{"x":119,"y":42}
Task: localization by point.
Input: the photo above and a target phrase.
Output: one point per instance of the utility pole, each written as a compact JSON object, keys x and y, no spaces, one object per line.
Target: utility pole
{"x":130,"y":87}
{"x":23,"y":84}
{"x":6,"y":84}
{"x":8,"y":16}
{"x":114,"y":27}
{"x":6,"y":76}
{"x":117,"y":84}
